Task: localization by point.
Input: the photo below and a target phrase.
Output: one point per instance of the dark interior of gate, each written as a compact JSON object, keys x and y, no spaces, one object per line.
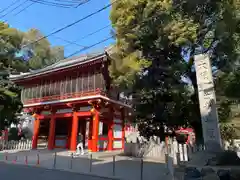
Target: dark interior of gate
{"x":43,"y":133}
{"x":63,"y":132}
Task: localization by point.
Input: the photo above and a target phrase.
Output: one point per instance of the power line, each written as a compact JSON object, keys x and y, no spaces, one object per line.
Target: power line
{"x":36,"y":2}
{"x":61,"y":3}
{"x":71,"y":24}
{"x":88,"y":35}
{"x":12,"y":4}
{"x":84,"y":2}
{"x":14,"y":9}
{"x":88,"y":47}
{"x":22,"y":10}
{"x":43,"y":2}
{"x":70,"y":42}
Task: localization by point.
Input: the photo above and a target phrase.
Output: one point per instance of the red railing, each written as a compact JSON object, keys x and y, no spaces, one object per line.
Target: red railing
{"x":64,"y":96}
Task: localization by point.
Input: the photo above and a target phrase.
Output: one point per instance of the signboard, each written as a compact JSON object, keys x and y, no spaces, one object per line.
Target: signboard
{"x":207,"y":102}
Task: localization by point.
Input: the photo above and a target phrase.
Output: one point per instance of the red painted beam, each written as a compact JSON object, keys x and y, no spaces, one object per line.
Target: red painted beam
{"x":65,"y":115}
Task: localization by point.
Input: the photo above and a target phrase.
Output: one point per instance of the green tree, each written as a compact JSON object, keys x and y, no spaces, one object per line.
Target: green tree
{"x":40,"y":53}
{"x":17,"y":56}
{"x":161,"y":39}
{"x":10,"y":44}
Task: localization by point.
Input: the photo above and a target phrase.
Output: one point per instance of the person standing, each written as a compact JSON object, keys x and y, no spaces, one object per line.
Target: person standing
{"x":80,"y":144}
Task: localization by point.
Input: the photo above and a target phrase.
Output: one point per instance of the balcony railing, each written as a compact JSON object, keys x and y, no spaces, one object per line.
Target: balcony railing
{"x":63,"y":96}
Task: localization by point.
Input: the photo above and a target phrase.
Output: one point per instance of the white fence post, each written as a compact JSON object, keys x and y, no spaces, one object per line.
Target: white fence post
{"x":181,"y":152}
{"x":175,"y":151}
{"x":185,"y":152}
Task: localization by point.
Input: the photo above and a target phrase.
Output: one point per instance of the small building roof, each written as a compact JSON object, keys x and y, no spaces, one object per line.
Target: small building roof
{"x":62,"y":64}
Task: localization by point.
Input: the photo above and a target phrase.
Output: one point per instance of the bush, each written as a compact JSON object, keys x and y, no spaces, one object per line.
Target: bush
{"x":228,"y":132}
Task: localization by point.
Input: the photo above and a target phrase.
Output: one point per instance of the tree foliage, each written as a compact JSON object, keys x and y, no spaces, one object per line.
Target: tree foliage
{"x":40,"y":54}
{"x":10,"y":39}
{"x":16,"y":56}
{"x":156,"y":41}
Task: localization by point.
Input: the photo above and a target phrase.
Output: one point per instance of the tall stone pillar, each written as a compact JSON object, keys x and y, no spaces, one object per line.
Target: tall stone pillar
{"x":207,"y":102}
{"x":208,"y":110}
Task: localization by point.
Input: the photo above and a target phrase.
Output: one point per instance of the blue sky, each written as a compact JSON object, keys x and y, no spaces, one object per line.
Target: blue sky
{"x":48,"y":18}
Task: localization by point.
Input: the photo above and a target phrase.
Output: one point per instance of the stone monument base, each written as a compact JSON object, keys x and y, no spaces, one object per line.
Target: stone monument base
{"x":212,"y":165}
{"x":213,"y":158}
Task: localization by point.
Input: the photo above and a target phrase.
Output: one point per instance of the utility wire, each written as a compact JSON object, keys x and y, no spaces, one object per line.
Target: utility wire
{"x":52,"y":3}
{"x":14,"y":9}
{"x":25,"y":8}
{"x":69,"y":42}
{"x":88,"y":47}
{"x":12,"y":4}
{"x":81,"y":3}
{"x":88,"y":35}
{"x":72,"y":24}
{"x":62,"y":4}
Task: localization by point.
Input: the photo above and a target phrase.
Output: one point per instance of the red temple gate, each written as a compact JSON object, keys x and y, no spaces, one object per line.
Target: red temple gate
{"x":75,"y":96}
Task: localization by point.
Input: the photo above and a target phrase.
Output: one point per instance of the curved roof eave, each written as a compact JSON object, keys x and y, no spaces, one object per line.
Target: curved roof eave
{"x":60,"y":65}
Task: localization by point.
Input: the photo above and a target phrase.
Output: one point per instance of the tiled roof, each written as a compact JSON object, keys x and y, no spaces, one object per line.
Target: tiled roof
{"x":62,"y":64}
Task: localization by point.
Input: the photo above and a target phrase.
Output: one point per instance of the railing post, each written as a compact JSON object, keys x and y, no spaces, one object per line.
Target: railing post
{"x":113,"y":170}
{"x":6,"y":156}
{"x":38,"y":160}
{"x":90,"y":163}
{"x":71,"y":161}
{"x":141,"y":169}
{"x":54,"y":160}
{"x":26,"y":160}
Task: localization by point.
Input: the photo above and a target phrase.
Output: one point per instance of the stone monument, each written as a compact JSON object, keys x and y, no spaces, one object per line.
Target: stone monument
{"x":208,"y":110}
{"x":205,"y":164}
{"x":207,"y":102}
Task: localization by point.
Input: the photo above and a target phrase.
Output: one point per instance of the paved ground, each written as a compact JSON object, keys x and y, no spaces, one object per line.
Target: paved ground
{"x":13,"y":172}
{"x":124,"y":167}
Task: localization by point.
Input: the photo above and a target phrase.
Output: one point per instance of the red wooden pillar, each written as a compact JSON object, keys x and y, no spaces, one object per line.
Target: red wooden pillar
{"x":110,"y":129}
{"x":51,"y":136}
{"x":95,"y":130}
{"x":69,"y":134}
{"x":73,"y":142}
{"x":35,"y":132}
{"x":123,"y":127}
{"x":90,"y":133}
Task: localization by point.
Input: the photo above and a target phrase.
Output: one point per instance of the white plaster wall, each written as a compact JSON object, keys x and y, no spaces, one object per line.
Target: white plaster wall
{"x":117,"y":144}
{"x":117,"y":131}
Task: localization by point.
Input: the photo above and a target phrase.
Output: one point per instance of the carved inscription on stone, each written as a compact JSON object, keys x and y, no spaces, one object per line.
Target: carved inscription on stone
{"x":207,"y":100}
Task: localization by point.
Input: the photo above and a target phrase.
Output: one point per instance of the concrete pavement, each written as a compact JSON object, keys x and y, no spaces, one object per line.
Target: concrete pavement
{"x":13,"y":172}
{"x":101,"y":165}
